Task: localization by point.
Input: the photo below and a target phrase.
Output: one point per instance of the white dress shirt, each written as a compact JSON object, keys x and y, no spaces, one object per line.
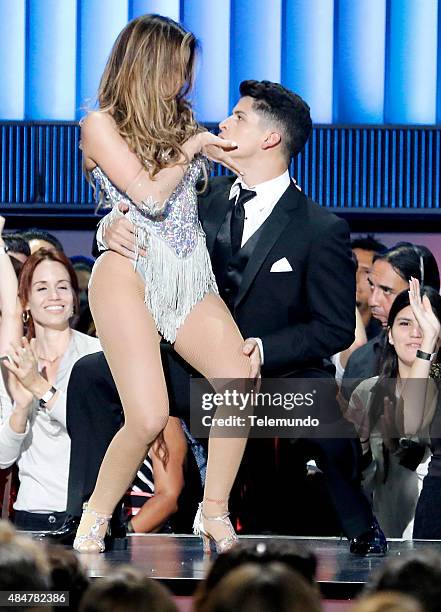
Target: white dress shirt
{"x":258,"y":209}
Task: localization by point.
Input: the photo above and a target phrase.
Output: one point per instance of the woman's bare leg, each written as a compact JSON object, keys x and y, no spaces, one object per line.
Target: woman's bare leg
{"x":131,"y":345}
{"x":210,"y":341}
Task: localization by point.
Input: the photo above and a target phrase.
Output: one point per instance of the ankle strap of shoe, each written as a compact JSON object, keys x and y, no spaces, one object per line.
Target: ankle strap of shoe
{"x":99,"y":515}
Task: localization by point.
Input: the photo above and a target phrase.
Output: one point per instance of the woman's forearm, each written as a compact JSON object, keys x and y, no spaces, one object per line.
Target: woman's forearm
{"x":155,"y":512}
{"x":12,"y":436}
{"x":18,"y":420}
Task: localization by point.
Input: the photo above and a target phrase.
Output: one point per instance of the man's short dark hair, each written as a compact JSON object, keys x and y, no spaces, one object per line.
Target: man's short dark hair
{"x":284,"y":107}
{"x":38,"y":234}
{"x":368,"y":243}
{"x":17,"y":244}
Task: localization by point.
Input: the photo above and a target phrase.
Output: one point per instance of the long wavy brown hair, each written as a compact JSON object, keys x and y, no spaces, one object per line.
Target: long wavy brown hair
{"x":144,"y":88}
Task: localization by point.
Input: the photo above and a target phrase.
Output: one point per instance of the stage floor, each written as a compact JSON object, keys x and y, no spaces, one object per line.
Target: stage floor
{"x":178,"y":561}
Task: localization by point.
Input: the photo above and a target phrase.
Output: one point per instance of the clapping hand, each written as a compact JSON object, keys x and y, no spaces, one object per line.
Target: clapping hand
{"x":426,"y":319}
{"x":23,"y":364}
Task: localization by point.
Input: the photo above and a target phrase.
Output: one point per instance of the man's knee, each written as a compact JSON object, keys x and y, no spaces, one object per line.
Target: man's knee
{"x":338,"y":453}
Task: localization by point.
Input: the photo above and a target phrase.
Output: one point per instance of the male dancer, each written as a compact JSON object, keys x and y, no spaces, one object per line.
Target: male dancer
{"x":278,"y":258}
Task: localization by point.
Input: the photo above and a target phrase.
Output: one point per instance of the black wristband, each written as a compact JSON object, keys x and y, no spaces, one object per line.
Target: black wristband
{"x":426,"y":356}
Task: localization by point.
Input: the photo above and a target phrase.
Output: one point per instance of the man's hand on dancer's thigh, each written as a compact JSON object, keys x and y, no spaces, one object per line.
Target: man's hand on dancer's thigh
{"x":251,"y":349}
{"x":120,"y":236}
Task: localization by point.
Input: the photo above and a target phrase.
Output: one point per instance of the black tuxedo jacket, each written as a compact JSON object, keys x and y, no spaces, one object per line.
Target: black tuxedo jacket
{"x":303,"y":315}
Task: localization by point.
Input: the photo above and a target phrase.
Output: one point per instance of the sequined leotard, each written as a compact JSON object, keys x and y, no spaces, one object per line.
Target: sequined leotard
{"x":177,"y":269}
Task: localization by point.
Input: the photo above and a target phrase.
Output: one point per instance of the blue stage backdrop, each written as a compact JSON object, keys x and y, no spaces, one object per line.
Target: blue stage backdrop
{"x":354,"y":61}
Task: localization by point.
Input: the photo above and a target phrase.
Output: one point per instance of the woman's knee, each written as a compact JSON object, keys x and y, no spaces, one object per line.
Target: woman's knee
{"x":148,"y":427}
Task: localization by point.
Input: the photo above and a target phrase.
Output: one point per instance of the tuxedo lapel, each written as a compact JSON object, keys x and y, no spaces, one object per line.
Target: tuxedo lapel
{"x":271,"y":230}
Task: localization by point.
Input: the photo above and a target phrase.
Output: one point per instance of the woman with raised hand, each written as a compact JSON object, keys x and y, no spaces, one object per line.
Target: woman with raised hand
{"x":145,"y":150}
{"x":36,"y":369}
{"x":422,"y":411}
{"x":393,"y":411}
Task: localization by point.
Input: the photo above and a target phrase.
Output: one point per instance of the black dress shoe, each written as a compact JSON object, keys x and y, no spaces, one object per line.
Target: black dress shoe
{"x":64,"y":535}
{"x":116,"y":539}
{"x":371,"y":543}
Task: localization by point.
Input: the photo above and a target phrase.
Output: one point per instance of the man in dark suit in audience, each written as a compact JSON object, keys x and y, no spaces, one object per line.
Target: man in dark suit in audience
{"x":278,"y":259}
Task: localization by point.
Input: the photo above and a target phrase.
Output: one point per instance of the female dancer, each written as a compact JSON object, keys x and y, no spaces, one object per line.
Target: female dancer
{"x":376,"y":409}
{"x":144,"y":147}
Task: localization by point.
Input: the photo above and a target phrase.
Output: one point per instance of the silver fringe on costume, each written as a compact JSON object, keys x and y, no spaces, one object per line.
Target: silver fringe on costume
{"x":180,"y":284}
{"x":177,"y":269}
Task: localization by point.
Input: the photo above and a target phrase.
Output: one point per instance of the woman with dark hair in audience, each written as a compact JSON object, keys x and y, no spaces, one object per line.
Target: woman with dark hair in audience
{"x":420,"y":413}
{"x":375,"y":408}
{"x":37,"y":367}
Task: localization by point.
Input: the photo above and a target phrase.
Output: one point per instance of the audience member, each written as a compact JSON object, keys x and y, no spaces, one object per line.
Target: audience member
{"x":40,"y":239}
{"x":416,"y":573}
{"x":66,"y":574}
{"x":17,"y":246}
{"x":83,"y":269}
{"x":23,"y":563}
{"x":387,"y":602}
{"x":252,"y":588}
{"x":262,"y":554}
{"x":390,"y":478}
{"x":365,"y":248}
{"x":390,"y":275}
{"x":150,"y":511}
{"x":127,"y":590}
{"x":366,"y":326}
{"x":33,"y":429}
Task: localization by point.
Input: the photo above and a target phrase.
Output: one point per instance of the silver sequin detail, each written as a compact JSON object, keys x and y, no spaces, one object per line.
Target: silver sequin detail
{"x":177,"y":270}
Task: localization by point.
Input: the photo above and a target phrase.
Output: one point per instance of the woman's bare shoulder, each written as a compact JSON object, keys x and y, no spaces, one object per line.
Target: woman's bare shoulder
{"x":98,"y":136}
{"x":97,"y":120}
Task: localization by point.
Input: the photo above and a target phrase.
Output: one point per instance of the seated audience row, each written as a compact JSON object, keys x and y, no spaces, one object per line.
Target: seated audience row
{"x":265,"y":576}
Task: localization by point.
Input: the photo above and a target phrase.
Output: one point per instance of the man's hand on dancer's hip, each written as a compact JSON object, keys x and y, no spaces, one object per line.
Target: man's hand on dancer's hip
{"x":252,"y":350}
{"x":119,"y":236}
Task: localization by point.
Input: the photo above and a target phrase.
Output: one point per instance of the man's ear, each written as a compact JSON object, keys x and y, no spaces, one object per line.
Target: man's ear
{"x":271,"y":140}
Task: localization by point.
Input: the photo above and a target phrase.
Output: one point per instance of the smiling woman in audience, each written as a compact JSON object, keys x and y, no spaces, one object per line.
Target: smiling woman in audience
{"x":36,"y":368}
{"x":393,"y":449}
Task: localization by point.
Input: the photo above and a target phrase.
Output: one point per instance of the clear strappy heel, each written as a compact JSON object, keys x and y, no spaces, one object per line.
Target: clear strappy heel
{"x":92,"y":542}
{"x":208,"y":540}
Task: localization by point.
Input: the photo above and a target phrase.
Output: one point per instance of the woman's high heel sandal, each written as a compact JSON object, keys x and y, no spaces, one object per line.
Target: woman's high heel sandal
{"x":199,"y":529}
{"x":92,"y":542}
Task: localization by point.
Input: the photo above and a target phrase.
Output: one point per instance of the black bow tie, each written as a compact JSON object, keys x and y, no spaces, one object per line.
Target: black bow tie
{"x":238,"y":217}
